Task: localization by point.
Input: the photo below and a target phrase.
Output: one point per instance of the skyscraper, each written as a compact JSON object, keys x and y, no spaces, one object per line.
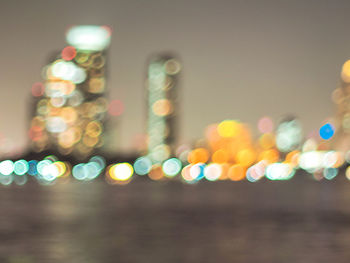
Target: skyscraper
{"x":162,"y":85}
{"x":341,"y":97}
{"x":70,"y":110}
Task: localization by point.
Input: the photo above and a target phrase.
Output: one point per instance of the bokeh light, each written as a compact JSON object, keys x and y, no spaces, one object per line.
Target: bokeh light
{"x":327,"y":131}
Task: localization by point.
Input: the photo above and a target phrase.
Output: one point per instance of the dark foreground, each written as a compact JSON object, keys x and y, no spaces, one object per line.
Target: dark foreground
{"x":296,"y":221}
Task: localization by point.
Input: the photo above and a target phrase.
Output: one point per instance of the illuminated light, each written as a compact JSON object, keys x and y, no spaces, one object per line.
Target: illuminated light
{"x":330,"y":173}
{"x":96,"y":85}
{"x":76,"y":98}
{"x":58,"y":101}
{"x":197,"y":171}
{"x":47,"y":170}
{"x":67,"y":70}
{"x":115,"y":108}
{"x":156,"y":173}
{"x":6,"y":167}
{"x":92,"y":170}
{"x":271,"y":156}
{"x":172,"y":67}
{"x":162,"y":107}
{"x":228,"y":128}
{"x":68,"y":53}
{"x":38,"y":89}
{"x":345,"y":73}
{"x":293,"y":158}
{"x":90,"y":141}
{"x":288,"y":135}
{"x":311,"y":161}
{"x":56,"y":124}
{"x":82,"y":57}
{"x":267,"y":141}
{"x":121,"y":171}
{"x":79,"y":172}
{"x":199,"y":155}
{"x":250,"y":176}
{"x":99,"y":160}
{"x":142,"y":165}
{"x":35,"y":133}
{"x":246,"y":157}
{"x":330,"y":159}
{"x":63,"y":69}
{"x":55,"y":88}
{"x":69,"y":114}
{"x":32,"y":167}
{"x":327,"y":131}
{"x":79,"y":76}
{"x":89,"y":37}
{"x":61,"y":168}
{"x":220,"y":156}
{"x":212,"y":172}
{"x":186,"y":175}
{"x":42,"y":107}
{"x":68,"y":170}
{"x":236,"y":172}
{"x":20,"y":167}
{"x":94,"y":129}
{"x":69,"y":137}
{"x":265,"y":125}
{"x":98,"y":61}
{"x":172,"y":167}
{"x":347,"y":172}
{"x":256,"y":172}
{"x":279,"y":171}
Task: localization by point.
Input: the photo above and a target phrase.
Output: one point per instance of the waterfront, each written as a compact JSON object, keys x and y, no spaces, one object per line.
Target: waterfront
{"x":296,"y":221}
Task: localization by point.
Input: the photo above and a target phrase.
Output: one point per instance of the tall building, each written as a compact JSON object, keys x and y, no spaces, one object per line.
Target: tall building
{"x":341,"y":97}
{"x":70,"y":108}
{"x":162,"y":85}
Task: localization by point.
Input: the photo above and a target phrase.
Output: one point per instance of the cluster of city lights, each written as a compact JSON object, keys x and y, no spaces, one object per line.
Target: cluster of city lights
{"x":161,"y":91}
{"x":228,"y":152}
{"x":70,"y":108}
{"x":69,"y":114}
{"x":320,"y":164}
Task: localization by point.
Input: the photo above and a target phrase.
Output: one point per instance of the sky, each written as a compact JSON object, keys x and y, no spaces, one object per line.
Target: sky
{"x":241,"y":59}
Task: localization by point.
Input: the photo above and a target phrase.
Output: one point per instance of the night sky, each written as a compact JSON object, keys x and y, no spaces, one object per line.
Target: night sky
{"x":241,"y":59}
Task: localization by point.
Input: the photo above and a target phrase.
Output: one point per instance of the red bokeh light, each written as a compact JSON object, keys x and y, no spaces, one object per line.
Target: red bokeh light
{"x":68,"y":53}
{"x":38,"y":89}
{"x":115,"y":108}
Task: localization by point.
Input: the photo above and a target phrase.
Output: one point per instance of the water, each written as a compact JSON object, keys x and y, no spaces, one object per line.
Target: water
{"x":296,"y":221}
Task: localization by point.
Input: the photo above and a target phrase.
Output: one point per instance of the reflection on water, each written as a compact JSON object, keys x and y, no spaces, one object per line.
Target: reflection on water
{"x":296,"y":221}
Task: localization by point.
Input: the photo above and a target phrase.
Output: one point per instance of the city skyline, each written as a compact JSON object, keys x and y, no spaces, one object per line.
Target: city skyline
{"x":265,"y":68}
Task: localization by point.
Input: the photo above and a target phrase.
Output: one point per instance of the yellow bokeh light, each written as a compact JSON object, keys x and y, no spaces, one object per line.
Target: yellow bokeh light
{"x":345,"y":73}
{"x":94,"y":129}
{"x":246,"y":157}
{"x":162,"y":107}
{"x":121,"y":171}
{"x":229,"y":128}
